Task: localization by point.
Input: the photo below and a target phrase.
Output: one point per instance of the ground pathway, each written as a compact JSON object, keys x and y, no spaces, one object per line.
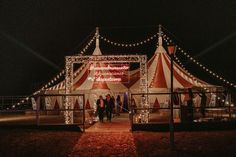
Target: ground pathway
{"x":107,"y":139}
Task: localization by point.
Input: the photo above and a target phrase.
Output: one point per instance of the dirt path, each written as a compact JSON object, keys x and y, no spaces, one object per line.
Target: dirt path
{"x":105,"y":144}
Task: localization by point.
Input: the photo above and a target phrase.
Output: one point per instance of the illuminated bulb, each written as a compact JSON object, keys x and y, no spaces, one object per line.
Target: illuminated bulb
{"x":232,"y":105}
{"x":227,"y":103}
{"x":223,"y":100}
{"x":218,"y":98}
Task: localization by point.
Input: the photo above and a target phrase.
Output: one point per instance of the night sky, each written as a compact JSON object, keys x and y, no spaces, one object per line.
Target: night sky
{"x":35,"y":35}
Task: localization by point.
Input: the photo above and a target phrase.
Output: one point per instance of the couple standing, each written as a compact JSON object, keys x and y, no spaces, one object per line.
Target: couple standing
{"x":105,"y":105}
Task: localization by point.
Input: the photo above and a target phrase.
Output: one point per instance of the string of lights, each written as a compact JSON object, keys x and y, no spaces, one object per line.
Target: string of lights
{"x":185,"y":53}
{"x":58,"y":76}
{"x":134,"y":44}
{"x":180,"y":64}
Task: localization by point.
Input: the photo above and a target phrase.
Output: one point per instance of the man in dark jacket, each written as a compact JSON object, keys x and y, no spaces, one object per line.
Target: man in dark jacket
{"x":100,"y":108}
{"x":109,"y":106}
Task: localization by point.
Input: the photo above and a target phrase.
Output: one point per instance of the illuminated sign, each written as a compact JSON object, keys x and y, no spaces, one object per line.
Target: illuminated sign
{"x":109,"y":73}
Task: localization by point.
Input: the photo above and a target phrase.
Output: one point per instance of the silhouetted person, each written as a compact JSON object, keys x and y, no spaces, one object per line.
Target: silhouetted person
{"x":203,"y":102}
{"x":113,"y":109}
{"x":190,"y":105}
{"x":100,"y":108}
{"x":118,"y":105}
{"x":109,"y":106}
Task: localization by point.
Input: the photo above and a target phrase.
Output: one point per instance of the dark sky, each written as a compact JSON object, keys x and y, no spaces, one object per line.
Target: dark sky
{"x":52,"y":29}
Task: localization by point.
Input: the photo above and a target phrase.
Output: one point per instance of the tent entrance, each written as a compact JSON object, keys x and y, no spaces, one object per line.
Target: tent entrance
{"x":107,"y":60}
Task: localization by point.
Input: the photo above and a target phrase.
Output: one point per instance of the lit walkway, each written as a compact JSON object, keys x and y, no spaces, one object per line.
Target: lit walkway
{"x":107,"y":139}
{"x":118,"y":124}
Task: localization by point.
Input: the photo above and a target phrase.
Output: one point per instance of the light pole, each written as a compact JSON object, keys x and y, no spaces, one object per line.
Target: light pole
{"x":171,"y":50}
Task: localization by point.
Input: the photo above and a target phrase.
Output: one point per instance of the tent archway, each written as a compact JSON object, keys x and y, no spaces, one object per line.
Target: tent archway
{"x":105,"y":59}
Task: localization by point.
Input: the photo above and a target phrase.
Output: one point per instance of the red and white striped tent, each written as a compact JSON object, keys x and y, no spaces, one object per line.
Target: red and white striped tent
{"x":159,"y":76}
{"x":83,"y":83}
{"x":158,"y":79}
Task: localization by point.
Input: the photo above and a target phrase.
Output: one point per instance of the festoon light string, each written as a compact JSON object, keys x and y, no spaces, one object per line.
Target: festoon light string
{"x":133,"y":44}
{"x":185,"y":53}
{"x":58,"y":76}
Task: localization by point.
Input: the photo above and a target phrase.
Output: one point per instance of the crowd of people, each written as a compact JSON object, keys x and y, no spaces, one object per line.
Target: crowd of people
{"x":107,"y":106}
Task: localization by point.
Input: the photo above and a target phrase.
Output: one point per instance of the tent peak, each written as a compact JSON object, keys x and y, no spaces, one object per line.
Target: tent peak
{"x":160,"y":48}
{"x":97,"y":50}
{"x":159,"y":36}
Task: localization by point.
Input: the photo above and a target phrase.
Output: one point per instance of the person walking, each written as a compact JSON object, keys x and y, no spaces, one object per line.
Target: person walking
{"x":100,"y":108}
{"x":190,"y":105}
{"x":109,"y":103}
{"x":118,"y":105}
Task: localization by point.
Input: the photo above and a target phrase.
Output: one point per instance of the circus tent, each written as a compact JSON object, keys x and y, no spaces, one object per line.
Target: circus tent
{"x":159,"y":73}
{"x":83,"y":82}
{"x":158,"y":79}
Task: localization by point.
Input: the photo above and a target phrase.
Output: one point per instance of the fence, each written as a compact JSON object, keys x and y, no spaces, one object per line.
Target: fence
{"x":216,"y":106}
{"x":47,"y":109}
